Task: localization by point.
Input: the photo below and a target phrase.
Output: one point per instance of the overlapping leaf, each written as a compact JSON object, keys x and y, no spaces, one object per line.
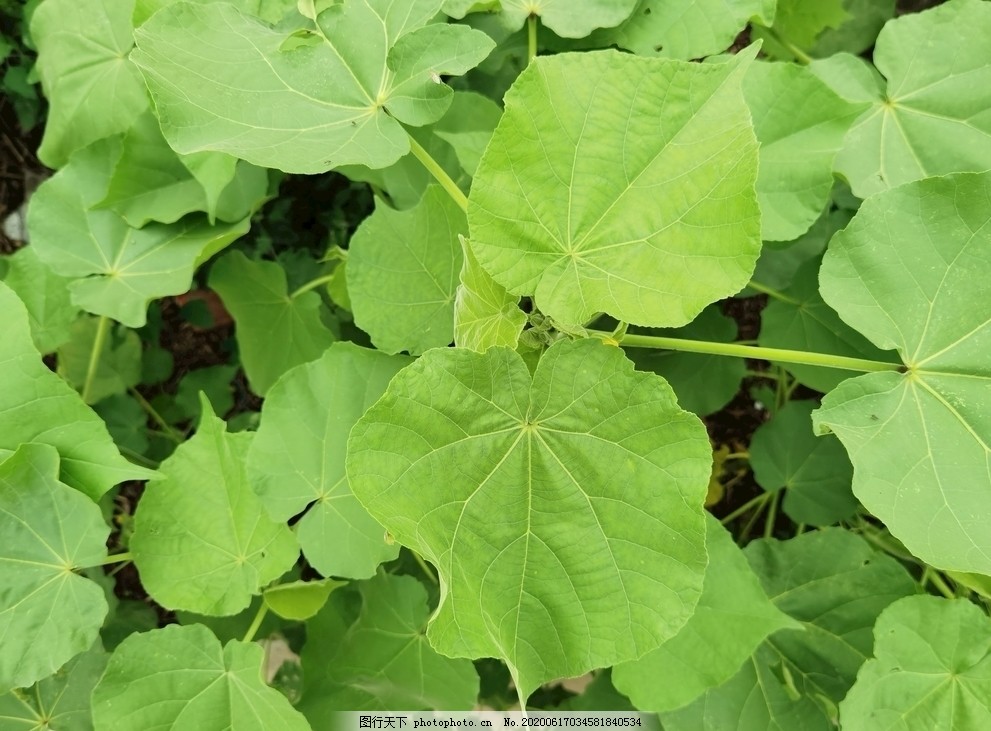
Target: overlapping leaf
{"x":383,"y":660}
{"x":47,"y":612}
{"x":563,"y":511}
{"x":118,"y":367}
{"x":275,"y":330}
{"x":202,"y":541}
{"x":60,"y":702}
{"x":932,"y":117}
{"x":306,"y":108}
{"x":932,"y":669}
{"x":798,"y":24}
{"x":567,"y":18}
{"x":181,"y":677}
{"x":485,"y":314}
{"x":622,"y":185}
{"x":117,"y":269}
{"x":297,"y":457}
{"x":45,"y":295}
{"x":402,"y":274}
{"x":38,"y":406}
{"x":910,"y":272}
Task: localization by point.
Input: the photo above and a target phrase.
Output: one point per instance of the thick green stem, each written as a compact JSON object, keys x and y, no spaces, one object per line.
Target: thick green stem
{"x":434,"y":168}
{"x":312,"y":284}
{"x":773,"y":293}
{"x":772,"y":514}
{"x":749,"y":351}
{"x":531,"y":38}
{"x":116,"y":558}
{"x":102,"y":328}
{"x":757,"y":502}
{"x":256,"y":622}
{"x":166,"y":428}
{"x":424,"y":566}
{"x":801,"y":56}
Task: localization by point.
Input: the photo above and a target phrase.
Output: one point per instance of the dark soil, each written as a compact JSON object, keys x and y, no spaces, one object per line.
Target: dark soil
{"x":20,"y":171}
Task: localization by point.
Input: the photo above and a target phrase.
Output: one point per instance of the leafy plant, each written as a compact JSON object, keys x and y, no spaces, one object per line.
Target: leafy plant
{"x":250,"y":424}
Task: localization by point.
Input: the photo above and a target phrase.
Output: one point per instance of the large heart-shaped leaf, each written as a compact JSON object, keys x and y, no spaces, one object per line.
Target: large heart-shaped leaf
{"x":297,"y":457}
{"x":620,"y":184}
{"x":911,"y":273}
{"x":181,"y":677}
{"x":305,"y":107}
{"x":202,"y":540}
{"x":932,"y":118}
{"x":563,"y":511}
{"x":47,"y":612}
{"x":38,"y":406}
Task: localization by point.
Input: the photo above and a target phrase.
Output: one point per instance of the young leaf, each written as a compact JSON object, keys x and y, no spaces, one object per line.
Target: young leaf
{"x":297,"y":457}
{"x":684,"y":29}
{"x":275,"y":330}
{"x":800,"y":124}
{"x":118,"y":269}
{"x":118,"y":368}
{"x":61,"y":701}
{"x":485,"y":314}
{"x":383,"y":660}
{"x":733,"y":617}
{"x":309,"y":109}
{"x":835,"y":584}
{"x":910,"y":272}
{"x":932,"y":669}
{"x":563,"y":511}
{"x":48,"y":613}
{"x":646,"y":209}
{"x":785,"y":454}
{"x":403,"y":271}
{"x":181,"y":677}
{"x":92,"y":87}
{"x":299,"y":600}
{"x":38,"y":406}
{"x":45,"y":295}
{"x":931,"y":120}
{"x":202,"y":541}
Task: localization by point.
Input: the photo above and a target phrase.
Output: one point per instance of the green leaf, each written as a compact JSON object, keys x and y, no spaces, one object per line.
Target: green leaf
{"x":684,"y":29}
{"x":328,"y":103}
{"x":703,"y":383}
{"x":857,"y":33}
{"x":803,"y":321}
{"x":800,"y":124}
{"x":567,"y":18}
{"x":181,"y":677}
{"x":780,"y":261}
{"x":784,"y":453}
{"x":800,"y":23}
{"x":214,"y":382}
{"x":48,"y":613}
{"x":836,"y":585}
{"x":297,"y":457}
{"x":300,"y":600}
{"x":733,"y":617}
{"x":126,"y":421}
{"x":564,"y":512}
{"x":271,"y":11}
{"x":932,"y":669}
{"x":93,"y":89}
{"x":118,"y":269}
{"x":485,"y":314}
{"x":275,"y":331}
{"x":851,"y":77}
{"x":403,"y":271}
{"x":383,"y":660}
{"x":119,"y":366}
{"x":60,"y":702}
{"x":202,"y":541}
{"x":45,"y":295}
{"x":468,"y":127}
{"x":931,"y":119}
{"x":38,"y":406}
{"x":646,"y":209}
{"x":910,"y":272}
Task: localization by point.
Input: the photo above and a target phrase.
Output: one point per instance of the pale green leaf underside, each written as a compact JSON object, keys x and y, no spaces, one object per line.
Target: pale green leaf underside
{"x":47,"y":612}
{"x":383,"y":660}
{"x":274,"y":331}
{"x":733,"y":617}
{"x":323,"y":104}
{"x":485,"y":314}
{"x":297,"y":457}
{"x":300,"y":600}
{"x":93,"y":89}
{"x":402,"y":273}
{"x":932,"y":670}
{"x":911,"y":273}
{"x":60,"y":702}
{"x":622,"y":185}
{"x":934,"y":117}
{"x":181,"y":677}
{"x":38,"y":406}
{"x":684,"y":29}
{"x":563,"y":512}
{"x":202,"y":540}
